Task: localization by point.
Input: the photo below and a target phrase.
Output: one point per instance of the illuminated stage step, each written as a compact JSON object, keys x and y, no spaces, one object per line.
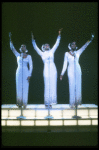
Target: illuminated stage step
{"x":62,"y":115}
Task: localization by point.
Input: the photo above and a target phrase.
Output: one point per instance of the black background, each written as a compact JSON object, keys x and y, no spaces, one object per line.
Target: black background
{"x":44,"y":19}
{"x":78,"y":21}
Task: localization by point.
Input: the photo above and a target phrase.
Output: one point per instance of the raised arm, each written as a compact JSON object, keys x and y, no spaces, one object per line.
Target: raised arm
{"x":57,"y":42}
{"x":12,"y":47}
{"x":35,"y":46}
{"x":85,"y":46}
{"x":64,"y":66}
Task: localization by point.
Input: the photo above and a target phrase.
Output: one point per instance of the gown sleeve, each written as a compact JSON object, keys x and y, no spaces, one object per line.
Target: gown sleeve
{"x":64,"y":64}
{"x":36,"y":48}
{"x":30,"y":65}
{"x":14,"y":50}
{"x":56,"y":44}
{"x":83,"y":47}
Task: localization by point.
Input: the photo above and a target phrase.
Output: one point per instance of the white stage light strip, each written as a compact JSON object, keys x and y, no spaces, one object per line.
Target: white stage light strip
{"x":82,"y":112}
{"x":4,"y":113}
{"x":41,"y":113}
{"x":56,"y":122}
{"x":86,"y":117}
{"x":3,"y":122}
{"x":68,"y":113}
{"x":41,"y":123}
{"x":27,"y":123}
{"x":56,"y":113}
{"x":70,"y":122}
{"x":94,"y":122}
{"x":84,"y":122}
{"x":13,"y":123}
{"x":93,"y":116}
{"x":14,"y":113}
{"x":29,"y":113}
{"x":93,"y":112}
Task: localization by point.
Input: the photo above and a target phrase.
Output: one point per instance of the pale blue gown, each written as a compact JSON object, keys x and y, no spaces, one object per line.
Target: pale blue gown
{"x":49,"y":73}
{"x":22,"y":72}
{"x":74,"y":73}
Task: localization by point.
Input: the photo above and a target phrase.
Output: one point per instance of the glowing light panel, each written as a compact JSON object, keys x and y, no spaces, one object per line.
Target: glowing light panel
{"x":94,"y":122}
{"x":3,"y":123}
{"x":14,"y":113}
{"x":41,"y":113}
{"x":56,"y":123}
{"x":84,"y":122}
{"x":27,"y":123}
{"x":4,"y":113}
{"x":29,"y":113}
{"x":41,"y":123}
{"x":13,"y":123}
{"x":56,"y":113}
{"x":68,"y":113}
{"x":70,"y":122}
{"x":93,"y":112}
{"x":82,"y":112}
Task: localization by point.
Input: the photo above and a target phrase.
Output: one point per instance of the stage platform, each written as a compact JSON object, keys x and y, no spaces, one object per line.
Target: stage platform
{"x":61,"y":118}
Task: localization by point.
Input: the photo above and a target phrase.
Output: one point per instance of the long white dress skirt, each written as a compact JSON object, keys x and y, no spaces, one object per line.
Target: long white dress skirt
{"x":22,"y":84}
{"x":50,"y":84}
{"x":74,"y":77}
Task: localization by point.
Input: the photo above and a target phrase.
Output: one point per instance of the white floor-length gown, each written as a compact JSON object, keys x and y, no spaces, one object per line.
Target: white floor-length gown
{"x":74,"y":75}
{"x":49,"y":73}
{"x":22,"y":72}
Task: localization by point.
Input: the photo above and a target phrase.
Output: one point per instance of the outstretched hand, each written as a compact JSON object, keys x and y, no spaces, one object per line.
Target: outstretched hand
{"x":92,"y":36}
{"x":10,"y":35}
{"x":32,"y":36}
{"x":60,"y":30}
{"x":28,"y":78}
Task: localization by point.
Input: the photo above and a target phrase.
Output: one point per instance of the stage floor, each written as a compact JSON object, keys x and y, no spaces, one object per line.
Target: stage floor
{"x":57,"y":106}
{"x":58,"y":115}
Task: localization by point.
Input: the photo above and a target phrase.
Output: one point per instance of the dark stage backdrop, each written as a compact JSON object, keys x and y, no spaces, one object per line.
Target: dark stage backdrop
{"x":44,"y":19}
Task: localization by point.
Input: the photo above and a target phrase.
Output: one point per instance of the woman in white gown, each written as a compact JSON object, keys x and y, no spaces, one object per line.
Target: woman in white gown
{"x":71,"y":60}
{"x":23,"y":74}
{"x":50,"y":71}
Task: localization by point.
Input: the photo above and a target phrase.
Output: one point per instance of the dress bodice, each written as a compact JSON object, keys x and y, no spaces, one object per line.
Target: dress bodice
{"x":48,"y":57}
{"x":72,"y":59}
{"x":22,"y":61}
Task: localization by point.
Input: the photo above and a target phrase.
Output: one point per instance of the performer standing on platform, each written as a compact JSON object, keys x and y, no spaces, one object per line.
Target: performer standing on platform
{"x":71,"y":60}
{"x":23,"y":74}
{"x":50,"y":71}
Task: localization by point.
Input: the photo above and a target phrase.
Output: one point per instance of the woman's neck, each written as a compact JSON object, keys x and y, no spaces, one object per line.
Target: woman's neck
{"x":71,"y":51}
{"x":23,"y":54}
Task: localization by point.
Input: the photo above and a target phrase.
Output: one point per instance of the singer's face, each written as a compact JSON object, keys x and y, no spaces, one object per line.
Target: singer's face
{"x":47,"y":47}
{"x":23,"y":48}
{"x":73,"y":45}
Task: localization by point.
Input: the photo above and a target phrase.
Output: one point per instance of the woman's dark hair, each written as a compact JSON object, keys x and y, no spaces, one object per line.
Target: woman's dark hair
{"x":72,"y":42}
